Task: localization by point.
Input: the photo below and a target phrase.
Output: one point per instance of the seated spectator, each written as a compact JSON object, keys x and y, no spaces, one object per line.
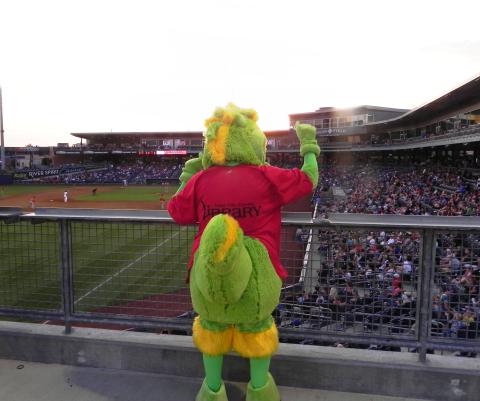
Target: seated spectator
{"x":407,"y":268}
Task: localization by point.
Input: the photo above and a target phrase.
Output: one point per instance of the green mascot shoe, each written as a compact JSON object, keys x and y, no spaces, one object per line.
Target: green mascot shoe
{"x":205,"y":394}
{"x":269,"y":392}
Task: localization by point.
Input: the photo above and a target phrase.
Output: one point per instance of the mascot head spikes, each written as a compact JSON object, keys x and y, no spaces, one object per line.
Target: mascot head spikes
{"x":233,"y":137}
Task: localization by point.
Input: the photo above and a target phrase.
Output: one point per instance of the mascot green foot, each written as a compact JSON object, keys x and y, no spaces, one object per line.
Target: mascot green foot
{"x":213,"y":388}
{"x":261,"y":387}
{"x":205,"y":394}
{"x":269,"y":392}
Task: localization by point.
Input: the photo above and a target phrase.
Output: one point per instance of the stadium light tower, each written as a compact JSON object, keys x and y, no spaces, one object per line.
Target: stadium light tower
{"x":2,"y":144}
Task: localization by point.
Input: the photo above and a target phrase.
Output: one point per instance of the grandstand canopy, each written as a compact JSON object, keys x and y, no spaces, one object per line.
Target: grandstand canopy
{"x":339,"y":112}
{"x":374,"y":119}
{"x":465,"y":98}
{"x":120,"y":137}
{"x":377,"y":120}
{"x":125,"y":136}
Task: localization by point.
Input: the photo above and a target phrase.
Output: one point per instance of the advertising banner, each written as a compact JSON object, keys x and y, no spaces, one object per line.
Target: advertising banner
{"x":49,"y":172}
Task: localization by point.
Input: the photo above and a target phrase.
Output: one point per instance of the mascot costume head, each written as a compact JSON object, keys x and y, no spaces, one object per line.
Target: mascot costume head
{"x":235,"y":272}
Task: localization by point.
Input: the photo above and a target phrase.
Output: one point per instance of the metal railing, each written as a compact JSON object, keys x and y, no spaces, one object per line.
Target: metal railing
{"x":383,"y":281}
{"x":449,"y":138}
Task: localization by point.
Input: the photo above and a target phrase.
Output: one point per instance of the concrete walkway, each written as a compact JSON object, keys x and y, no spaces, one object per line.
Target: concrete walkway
{"x":28,"y":381}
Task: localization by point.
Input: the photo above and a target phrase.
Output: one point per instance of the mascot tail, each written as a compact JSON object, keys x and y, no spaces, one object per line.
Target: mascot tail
{"x":223,"y":263}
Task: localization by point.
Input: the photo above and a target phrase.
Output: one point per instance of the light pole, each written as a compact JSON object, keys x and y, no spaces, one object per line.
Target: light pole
{"x":2,"y":142}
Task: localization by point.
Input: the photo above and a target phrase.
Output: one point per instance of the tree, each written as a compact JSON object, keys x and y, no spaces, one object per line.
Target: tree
{"x":46,"y":161}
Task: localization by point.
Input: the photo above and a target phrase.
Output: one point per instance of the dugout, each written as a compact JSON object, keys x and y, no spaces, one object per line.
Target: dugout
{"x":6,"y":179}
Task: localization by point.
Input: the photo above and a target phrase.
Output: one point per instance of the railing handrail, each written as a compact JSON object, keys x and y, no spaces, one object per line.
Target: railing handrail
{"x":288,"y":218}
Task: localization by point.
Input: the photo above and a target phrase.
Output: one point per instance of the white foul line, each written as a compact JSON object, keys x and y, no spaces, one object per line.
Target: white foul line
{"x":125,"y":268}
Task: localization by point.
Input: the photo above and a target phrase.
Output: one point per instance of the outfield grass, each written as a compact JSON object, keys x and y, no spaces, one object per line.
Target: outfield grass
{"x":114,"y":263}
{"x":29,"y":260}
{"x":13,"y":190}
{"x":131,"y":193}
{"x":104,"y":193}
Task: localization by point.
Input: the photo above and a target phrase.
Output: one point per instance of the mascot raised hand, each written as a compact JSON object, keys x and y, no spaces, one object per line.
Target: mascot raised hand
{"x":235,"y":271}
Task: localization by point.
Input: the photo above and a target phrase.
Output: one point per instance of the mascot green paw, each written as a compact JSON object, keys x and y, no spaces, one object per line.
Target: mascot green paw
{"x":205,"y":394}
{"x":191,"y":167}
{"x":269,"y":392}
{"x":307,"y":135}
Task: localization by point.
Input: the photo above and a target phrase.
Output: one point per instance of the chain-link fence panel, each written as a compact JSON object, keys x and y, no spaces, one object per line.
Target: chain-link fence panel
{"x":354,"y":282}
{"x":131,"y":268}
{"x":30,"y":271}
{"x":455,"y":295}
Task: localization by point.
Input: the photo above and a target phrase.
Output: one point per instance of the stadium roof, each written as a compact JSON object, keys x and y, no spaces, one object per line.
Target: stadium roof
{"x":349,"y":110}
{"x":122,"y":135}
{"x":118,"y":136}
{"x":463,"y":99}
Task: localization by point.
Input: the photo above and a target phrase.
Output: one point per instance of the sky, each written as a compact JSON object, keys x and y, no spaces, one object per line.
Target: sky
{"x":99,"y":66}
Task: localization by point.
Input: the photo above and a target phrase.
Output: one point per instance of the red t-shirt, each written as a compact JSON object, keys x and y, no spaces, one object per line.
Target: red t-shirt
{"x":253,"y":195}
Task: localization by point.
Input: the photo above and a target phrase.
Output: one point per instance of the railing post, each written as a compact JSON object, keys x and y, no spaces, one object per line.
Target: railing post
{"x":66,"y":267}
{"x":427,"y":268}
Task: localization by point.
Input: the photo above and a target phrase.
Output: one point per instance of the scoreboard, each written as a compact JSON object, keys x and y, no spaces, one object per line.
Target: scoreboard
{"x":162,"y":152}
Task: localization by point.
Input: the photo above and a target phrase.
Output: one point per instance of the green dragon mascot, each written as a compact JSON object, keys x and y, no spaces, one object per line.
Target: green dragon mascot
{"x":235,"y":272}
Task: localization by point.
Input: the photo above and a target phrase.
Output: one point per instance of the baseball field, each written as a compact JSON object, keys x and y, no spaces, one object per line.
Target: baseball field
{"x":121,"y":268}
{"x":87,"y":196}
{"x":126,"y":268}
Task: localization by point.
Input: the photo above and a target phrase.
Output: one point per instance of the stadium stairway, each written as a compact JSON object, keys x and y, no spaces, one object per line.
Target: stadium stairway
{"x":326,"y":196}
{"x":338,"y":193}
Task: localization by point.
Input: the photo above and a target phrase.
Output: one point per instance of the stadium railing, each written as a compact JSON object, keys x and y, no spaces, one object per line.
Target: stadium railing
{"x":450,"y":137}
{"x":126,"y":269}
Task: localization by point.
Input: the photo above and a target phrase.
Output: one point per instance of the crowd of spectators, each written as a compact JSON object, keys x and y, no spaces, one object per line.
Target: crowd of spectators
{"x":367,"y":281}
{"x":363,"y":280}
{"x":456,"y":304}
{"x":129,"y":172}
{"x":414,"y":191}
